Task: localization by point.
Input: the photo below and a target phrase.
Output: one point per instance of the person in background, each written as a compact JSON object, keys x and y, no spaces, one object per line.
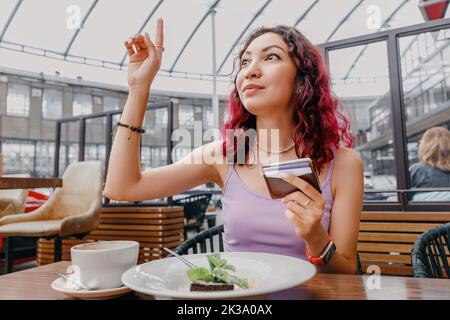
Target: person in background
{"x":433,"y":169}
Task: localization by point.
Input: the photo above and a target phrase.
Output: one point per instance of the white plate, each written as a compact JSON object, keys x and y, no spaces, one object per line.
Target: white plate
{"x":60,"y":285}
{"x":167,"y":278}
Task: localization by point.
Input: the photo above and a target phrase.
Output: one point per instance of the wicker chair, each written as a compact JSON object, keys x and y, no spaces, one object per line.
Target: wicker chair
{"x":428,"y":256}
{"x":198,"y":244}
{"x":195,"y":207}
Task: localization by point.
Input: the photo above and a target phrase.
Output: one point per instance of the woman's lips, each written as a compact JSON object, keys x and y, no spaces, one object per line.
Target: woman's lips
{"x":252,"y":91}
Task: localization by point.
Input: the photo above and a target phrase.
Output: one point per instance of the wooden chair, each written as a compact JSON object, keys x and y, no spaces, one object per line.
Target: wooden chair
{"x":387,"y":238}
{"x":72,"y":210}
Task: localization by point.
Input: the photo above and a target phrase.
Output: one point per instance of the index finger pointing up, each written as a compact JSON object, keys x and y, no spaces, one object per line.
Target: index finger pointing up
{"x":159,"y":32}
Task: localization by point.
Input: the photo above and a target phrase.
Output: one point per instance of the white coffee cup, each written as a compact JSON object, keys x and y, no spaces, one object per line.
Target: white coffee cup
{"x":100,"y":265}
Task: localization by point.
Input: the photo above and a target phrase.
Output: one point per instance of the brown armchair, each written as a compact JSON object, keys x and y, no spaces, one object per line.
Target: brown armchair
{"x":72,"y":210}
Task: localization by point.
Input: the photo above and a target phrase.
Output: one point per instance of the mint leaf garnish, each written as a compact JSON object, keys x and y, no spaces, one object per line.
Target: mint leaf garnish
{"x":218,"y":272}
{"x":200,"y":274}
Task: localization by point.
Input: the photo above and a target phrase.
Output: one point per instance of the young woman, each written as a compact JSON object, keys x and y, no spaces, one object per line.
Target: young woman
{"x":281,"y":85}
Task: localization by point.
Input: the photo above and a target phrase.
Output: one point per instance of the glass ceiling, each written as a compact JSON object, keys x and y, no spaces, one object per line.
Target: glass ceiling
{"x":41,"y":35}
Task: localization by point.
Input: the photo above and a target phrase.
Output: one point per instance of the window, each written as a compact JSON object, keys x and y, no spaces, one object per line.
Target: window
{"x":208,"y":117}
{"x":94,"y":152}
{"x":426,"y":84}
{"x":158,"y":156}
{"x":18,"y":156}
{"x":82,"y":104}
{"x":179,"y":152}
{"x":18,"y":101}
{"x":161,"y":117}
{"x":52,"y":104}
{"x":45,"y":153}
{"x":185,"y":116}
{"x":361,"y":80}
{"x":68,"y":153}
{"x":111,"y":103}
{"x":153,"y":157}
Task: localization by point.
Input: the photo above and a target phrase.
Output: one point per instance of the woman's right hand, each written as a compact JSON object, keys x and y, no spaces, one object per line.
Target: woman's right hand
{"x":145,"y":61}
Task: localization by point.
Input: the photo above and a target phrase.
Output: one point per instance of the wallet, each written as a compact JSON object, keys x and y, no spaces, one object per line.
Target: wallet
{"x":302,"y":168}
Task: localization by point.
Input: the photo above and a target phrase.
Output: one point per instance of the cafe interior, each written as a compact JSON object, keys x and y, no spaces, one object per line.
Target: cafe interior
{"x":63,"y":87}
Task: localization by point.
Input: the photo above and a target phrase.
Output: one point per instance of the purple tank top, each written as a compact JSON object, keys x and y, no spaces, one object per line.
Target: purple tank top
{"x":255,"y":222}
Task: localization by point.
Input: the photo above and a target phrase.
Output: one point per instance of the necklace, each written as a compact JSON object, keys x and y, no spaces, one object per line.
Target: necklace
{"x":275,"y":152}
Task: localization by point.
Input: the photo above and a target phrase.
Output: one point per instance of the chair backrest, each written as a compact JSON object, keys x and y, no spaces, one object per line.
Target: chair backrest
{"x":387,"y":238}
{"x":82,"y":189}
{"x":209,"y":240}
{"x":430,"y":255}
{"x":195,"y":206}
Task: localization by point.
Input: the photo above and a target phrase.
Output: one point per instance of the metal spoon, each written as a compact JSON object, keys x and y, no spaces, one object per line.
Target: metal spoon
{"x":187,"y":262}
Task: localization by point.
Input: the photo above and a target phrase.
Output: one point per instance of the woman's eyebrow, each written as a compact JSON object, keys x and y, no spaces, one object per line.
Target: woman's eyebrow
{"x":266,"y":48}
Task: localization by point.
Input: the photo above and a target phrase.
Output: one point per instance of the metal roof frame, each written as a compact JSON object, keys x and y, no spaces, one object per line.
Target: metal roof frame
{"x":10,"y":18}
{"x":143,"y":26}
{"x":11,"y":45}
{"x":303,"y":16}
{"x":193,"y":33}
{"x":261,"y":10}
{"x":254,"y":18}
{"x":344,"y":19}
{"x":365,"y":46}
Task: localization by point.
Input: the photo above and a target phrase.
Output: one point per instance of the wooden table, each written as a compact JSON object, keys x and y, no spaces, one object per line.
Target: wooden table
{"x":29,"y":183}
{"x":35,"y":284}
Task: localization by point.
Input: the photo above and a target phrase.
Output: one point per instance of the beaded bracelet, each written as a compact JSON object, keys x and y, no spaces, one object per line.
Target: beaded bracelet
{"x":130,"y":128}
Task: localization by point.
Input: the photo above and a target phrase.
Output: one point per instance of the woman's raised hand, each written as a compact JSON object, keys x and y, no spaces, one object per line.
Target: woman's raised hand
{"x":145,"y":58}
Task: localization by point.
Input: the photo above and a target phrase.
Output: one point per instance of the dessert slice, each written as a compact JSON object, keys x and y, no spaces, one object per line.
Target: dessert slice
{"x":217,"y":278}
{"x":211,"y":286}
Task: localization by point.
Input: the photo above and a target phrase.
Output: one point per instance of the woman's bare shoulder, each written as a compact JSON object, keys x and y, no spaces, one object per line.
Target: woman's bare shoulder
{"x":346,"y":155}
{"x":347,"y":162}
{"x":348,"y":168}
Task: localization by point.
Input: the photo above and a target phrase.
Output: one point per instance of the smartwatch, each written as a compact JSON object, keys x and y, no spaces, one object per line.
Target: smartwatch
{"x":325,"y":256}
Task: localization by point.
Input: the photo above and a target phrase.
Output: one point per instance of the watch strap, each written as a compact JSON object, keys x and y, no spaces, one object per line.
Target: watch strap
{"x":325,"y":256}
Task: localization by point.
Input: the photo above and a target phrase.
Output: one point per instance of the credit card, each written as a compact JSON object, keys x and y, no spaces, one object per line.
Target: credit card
{"x":278,"y":187}
{"x":287,"y":166}
{"x":295,"y":171}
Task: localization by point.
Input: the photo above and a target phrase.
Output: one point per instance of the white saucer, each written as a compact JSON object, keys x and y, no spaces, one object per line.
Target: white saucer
{"x":59,"y":285}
